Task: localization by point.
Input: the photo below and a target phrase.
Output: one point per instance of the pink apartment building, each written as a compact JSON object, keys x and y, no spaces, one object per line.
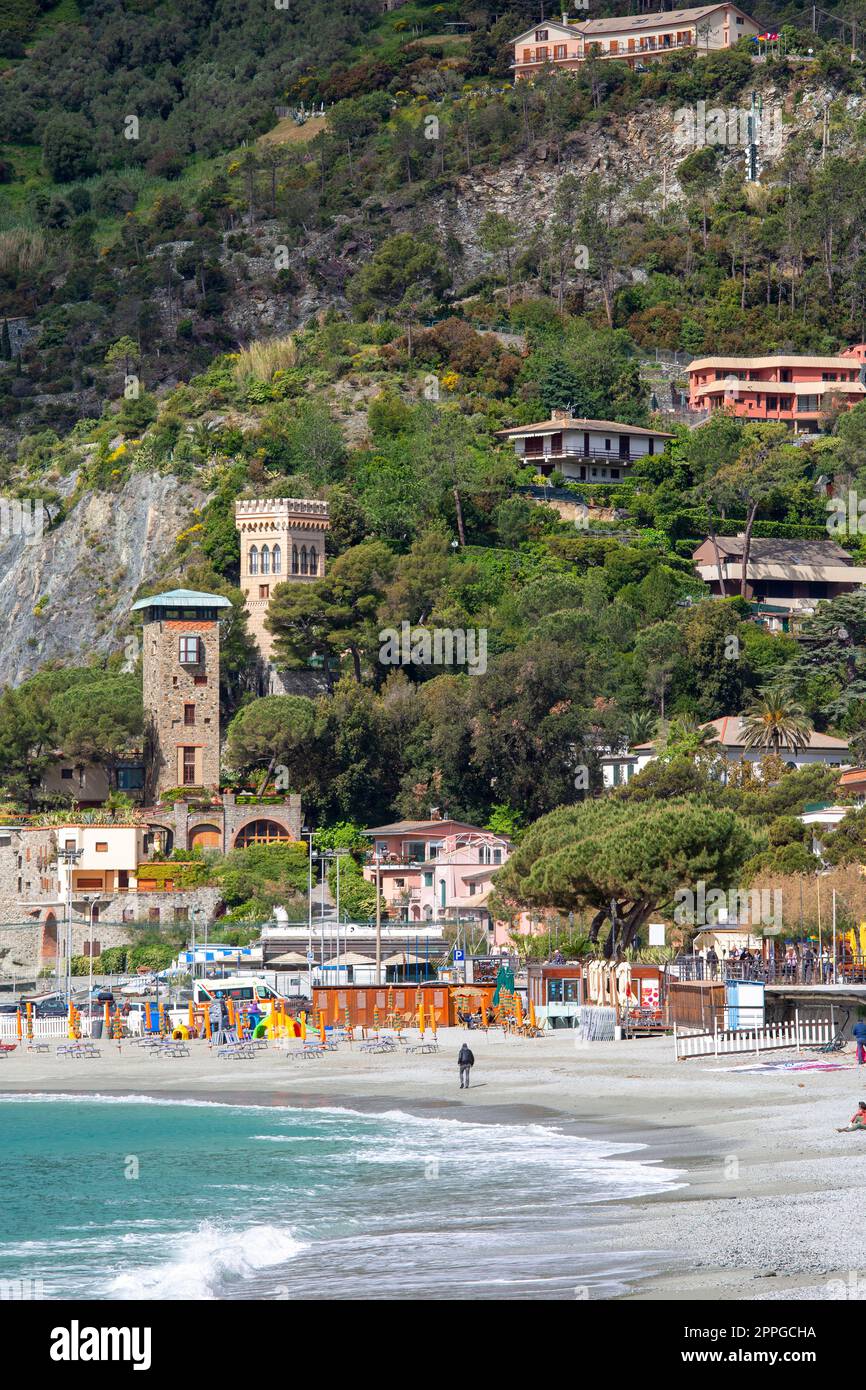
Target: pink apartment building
{"x":794,"y":388}
{"x":632,"y":39}
{"x":435,"y":870}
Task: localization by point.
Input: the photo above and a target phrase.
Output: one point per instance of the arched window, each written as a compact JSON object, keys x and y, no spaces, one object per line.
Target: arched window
{"x":303,"y":559}
{"x":276,"y":560}
{"x":266,"y":560}
{"x":314,"y":560}
{"x":294,"y":559}
{"x":260,"y":832}
{"x":254,"y":559}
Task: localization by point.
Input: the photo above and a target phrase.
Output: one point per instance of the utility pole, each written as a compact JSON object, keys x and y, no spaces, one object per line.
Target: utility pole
{"x":378,"y":925}
{"x":69,"y":857}
{"x":834,"y":936}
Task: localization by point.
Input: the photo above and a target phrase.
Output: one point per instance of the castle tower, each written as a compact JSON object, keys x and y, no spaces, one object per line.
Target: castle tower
{"x":181,"y":689}
{"x":282,"y":540}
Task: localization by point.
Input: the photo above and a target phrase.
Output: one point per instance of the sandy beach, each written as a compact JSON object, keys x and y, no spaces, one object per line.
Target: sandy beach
{"x":769,"y":1203}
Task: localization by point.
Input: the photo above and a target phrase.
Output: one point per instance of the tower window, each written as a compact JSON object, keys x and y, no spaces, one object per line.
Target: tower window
{"x":314,"y":560}
{"x":264,"y":591}
{"x":188,"y":767}
{"x":189,"y":714}
{"x":266,"y":560}
{"x":303,"y":559}
{"x":189,"y":649}
{"x":254,"y":559}
{"x":294,"y":559}
{"x":276,"y":560}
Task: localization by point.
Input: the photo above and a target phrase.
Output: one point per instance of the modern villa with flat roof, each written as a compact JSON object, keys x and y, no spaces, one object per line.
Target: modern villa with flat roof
{"x":598,"y":451}
{"x":795,"y":388}
{"x":632,"y":39}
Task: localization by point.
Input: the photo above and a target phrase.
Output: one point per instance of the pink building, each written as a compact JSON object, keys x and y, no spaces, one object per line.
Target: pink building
{"x":435,"y":870}
{"x":790,"y":387}
{"x":632,"y":39}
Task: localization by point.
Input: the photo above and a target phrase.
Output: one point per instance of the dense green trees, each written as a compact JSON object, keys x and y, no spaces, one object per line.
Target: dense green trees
{"x":624,"y":861}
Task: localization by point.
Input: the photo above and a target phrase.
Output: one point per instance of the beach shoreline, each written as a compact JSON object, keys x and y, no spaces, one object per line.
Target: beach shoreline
{"x":768,"y":1201}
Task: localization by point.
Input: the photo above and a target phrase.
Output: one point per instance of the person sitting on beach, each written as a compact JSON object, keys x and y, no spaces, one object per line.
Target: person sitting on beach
{"x":858,"y":1120}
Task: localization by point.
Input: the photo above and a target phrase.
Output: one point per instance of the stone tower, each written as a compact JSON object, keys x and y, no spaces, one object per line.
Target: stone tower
{"x":180,"y":688}
{"x":282,"y":540}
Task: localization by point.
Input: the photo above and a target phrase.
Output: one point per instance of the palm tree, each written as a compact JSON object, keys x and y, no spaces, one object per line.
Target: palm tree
{"x":640,"y":726}
{"x":776,"y":721}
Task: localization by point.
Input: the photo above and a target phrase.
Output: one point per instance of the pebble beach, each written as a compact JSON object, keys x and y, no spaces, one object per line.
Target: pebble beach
{"x":764,"y":1199}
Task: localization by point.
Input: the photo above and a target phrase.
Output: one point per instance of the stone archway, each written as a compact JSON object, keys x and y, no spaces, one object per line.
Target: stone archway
{"x":48,"y":938}
{"x":261,"y":831}
{"x":205,"y":836}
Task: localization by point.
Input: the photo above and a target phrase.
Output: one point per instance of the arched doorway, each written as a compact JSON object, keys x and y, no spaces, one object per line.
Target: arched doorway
{"x":48,"y":943}
{"x":260,"y":832}
{"x":205,"y":837}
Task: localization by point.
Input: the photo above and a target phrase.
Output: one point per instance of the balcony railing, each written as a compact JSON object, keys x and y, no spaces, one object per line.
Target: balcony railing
{"x":570,"y":452}
{"x":814,"y":970}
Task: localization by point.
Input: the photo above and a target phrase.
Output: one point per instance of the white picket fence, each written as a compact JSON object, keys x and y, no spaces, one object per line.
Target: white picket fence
{"x":53,"y":1027}
{"x":726,"y":1041}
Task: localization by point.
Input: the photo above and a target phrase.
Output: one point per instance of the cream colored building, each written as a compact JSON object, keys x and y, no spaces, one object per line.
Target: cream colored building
{"x":282,"y":539}
{"x":631,"y":39}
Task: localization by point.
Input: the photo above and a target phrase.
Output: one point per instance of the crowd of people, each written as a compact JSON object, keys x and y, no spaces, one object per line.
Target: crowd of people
{"x":804,"y":965}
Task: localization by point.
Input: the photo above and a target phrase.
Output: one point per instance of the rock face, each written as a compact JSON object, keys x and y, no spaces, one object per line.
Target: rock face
{"x":66,"y":594}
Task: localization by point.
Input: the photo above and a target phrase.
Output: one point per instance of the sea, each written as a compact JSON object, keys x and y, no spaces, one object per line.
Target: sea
{"x":113,"y":1198}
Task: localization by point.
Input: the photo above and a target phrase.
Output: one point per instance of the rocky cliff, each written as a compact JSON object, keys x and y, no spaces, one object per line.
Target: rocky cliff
{"x":66,"y":594}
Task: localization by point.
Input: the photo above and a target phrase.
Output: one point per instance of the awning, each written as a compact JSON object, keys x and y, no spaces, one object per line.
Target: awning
{"x":290,"y":958}
{"x":402,"y":958}
{"x":350,"y":958}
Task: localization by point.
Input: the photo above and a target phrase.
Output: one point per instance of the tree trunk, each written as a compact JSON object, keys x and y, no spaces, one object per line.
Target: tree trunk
{"x":747,"y":548}
{"x":458,"y":506}
{"x":715,"y":540}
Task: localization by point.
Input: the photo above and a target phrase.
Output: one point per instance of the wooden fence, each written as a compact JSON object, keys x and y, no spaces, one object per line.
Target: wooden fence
{"x":722,"y":1042}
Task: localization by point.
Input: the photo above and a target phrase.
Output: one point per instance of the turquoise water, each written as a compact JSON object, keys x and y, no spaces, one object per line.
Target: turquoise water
{"x":113,"y":1199}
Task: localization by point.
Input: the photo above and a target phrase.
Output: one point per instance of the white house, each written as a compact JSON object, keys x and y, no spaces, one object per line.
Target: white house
{"x":632,"y":39}
{"x":729,"y":743}
{"x":597,"y":451}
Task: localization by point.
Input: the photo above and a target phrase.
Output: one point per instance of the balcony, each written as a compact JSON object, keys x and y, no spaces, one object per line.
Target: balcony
{"x":574,"y":451}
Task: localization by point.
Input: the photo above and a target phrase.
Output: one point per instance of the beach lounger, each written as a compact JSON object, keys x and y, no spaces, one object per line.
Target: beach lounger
{"x":38,"y":1047}
{"x":424,"y":1047}
{"x":175,"y":1050}
{"x":239,"y":1050}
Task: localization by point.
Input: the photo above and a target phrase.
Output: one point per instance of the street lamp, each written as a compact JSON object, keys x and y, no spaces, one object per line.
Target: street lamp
{"x":93,"y":906}
{"x":308,"y":835}
{"x":69,"y":856}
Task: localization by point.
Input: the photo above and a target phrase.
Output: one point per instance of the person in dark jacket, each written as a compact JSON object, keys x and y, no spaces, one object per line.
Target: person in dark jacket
{"x":858,"y":1032}
{"x":465,"y":1063}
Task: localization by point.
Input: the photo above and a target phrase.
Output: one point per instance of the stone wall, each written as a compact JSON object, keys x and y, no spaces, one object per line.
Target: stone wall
{"x":228,"y":818}
{"x":167,"y":687}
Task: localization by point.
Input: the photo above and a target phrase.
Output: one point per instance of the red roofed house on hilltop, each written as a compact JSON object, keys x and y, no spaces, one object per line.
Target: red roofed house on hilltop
{"x":729,"y":741}
{"x":632,"y":39}
{"x":597,"y":451}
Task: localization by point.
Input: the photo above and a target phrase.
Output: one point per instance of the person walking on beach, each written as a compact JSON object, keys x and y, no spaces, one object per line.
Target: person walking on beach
{"x":465,"y":1063}
{"x":858,"y":1033}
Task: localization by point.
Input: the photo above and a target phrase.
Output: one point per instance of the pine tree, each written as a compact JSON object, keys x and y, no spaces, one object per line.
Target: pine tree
{"x":5,"y":344}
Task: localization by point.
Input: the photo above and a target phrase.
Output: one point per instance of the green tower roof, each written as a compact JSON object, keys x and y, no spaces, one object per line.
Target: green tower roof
{"x":182,"y":598}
